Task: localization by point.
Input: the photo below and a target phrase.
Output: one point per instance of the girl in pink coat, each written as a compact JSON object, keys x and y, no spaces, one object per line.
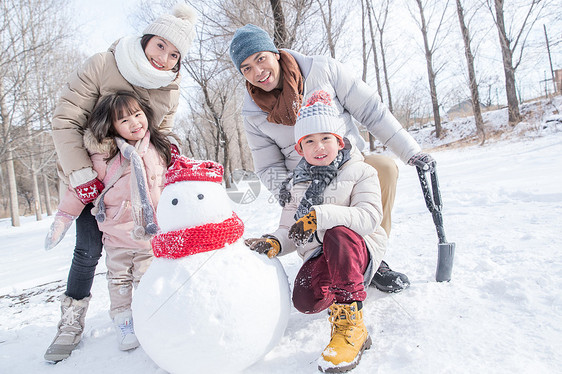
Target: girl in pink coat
{"x":130,"y":156}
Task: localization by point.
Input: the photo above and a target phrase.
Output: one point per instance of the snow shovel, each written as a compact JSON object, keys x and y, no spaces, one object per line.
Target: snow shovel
{"x":446,"y":251}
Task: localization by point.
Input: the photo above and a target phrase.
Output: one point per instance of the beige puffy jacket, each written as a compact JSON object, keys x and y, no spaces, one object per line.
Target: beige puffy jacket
{"x":99,"y":76}
{"x":353,"y":200}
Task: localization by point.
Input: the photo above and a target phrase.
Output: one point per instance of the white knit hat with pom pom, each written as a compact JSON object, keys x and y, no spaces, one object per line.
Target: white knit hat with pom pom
{"x":178,"y":28}
{"x":318,"y":115}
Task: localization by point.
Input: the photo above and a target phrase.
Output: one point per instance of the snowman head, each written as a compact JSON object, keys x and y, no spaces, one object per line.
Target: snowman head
{"x":193,"y":195}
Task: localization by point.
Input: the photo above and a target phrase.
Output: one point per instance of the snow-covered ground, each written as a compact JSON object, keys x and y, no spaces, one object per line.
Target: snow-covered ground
{"x":501,"y":313}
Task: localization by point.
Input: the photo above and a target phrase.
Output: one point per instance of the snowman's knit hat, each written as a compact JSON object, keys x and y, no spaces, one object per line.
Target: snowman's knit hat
{"x":185,"y":169}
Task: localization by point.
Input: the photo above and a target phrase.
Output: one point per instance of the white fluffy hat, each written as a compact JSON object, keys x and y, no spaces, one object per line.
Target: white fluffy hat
{"x":317,"y":116}
{"x":178,"y":27}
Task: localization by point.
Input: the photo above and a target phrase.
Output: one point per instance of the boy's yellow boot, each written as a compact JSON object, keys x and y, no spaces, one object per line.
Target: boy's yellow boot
{"x":349,"y":339}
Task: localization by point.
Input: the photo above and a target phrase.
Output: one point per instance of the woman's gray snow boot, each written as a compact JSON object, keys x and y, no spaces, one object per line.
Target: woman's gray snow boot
{"x":70,"y":328}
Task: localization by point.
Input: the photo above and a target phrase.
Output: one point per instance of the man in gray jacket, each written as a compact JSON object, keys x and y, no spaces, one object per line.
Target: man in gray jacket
{"x":278,"y":81}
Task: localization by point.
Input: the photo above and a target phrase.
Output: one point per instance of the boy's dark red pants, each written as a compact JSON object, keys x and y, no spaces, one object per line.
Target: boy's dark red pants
{"x":334,"y":276}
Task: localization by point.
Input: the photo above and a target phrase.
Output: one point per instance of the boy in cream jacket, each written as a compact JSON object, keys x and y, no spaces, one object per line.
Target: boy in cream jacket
{"x":331,"y":216}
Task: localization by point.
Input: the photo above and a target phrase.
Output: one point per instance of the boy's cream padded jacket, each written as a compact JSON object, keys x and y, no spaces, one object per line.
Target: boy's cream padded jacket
{"x":353,"y":200}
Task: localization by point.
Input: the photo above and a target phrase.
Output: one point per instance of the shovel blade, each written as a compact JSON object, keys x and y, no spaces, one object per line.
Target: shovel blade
{"x":445,"y":256}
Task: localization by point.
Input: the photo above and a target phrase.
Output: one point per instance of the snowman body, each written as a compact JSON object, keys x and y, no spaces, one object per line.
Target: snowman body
{"x":216,"y":311}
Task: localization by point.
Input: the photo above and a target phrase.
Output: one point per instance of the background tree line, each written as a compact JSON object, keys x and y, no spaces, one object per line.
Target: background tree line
{"x":423,"y":56}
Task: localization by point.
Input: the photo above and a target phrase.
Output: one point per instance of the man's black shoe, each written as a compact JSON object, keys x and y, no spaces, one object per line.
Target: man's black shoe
{"x":387,"y":280}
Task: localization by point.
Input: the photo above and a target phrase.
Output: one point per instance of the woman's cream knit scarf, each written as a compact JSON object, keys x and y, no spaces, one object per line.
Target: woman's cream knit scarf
{"x":135,"y":67}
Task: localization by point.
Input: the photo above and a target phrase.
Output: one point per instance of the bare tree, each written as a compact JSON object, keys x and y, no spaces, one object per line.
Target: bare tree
{"x":216,"y":99}
{"x":473,"y":84}
{"x":381,"y":18}
{"x":364,"y":50}
{"x":8,"y":159}
{"x":368,"y":5}
{"x":8,"y":85}
{"x":365,"y":9}
{"x":429,"y":49}
{"x":511,"y":40}
{"x":32,"y":31}
{"x":326,"y":11}
{"x":280,"y":36}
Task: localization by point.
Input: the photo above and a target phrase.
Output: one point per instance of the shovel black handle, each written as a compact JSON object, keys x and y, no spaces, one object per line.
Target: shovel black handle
{"x":432,"y":196}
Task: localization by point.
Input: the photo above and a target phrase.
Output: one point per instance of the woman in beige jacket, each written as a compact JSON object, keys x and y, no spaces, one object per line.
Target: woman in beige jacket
{"x":148,"y":66}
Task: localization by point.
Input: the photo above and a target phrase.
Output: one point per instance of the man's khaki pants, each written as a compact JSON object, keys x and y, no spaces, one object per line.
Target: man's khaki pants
{"x":388,"y":177}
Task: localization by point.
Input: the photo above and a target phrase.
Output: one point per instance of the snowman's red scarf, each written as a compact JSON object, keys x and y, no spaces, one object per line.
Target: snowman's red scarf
{"x":204,"y":238}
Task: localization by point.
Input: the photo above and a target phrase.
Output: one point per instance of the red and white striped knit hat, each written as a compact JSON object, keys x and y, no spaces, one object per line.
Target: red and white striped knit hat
{"x":185,"y":169}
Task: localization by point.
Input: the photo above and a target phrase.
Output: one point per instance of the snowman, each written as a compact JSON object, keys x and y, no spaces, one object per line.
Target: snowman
{"x":207,"y":303}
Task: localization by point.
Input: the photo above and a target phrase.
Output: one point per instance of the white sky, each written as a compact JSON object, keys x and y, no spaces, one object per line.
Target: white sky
{"x":103,"y":22}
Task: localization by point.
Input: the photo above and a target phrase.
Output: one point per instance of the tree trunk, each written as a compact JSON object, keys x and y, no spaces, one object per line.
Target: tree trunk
{"x":36,"y":197}
{"x":241,"y":146}
{"x":328,"y":27}
{"x":3,"y":194}
{"x":280,"y":34}
{"x":363,"y":44}
{"x":14,"y":203}
{"x":48,"y":207}
{"x":36,"y":207}
{"x":374,"y":44}
{"x":430,"y":73}
{"x":475,"y":98}
{"x":381,"y":22}
{"x":12,"y":185}
{"x":386,"y":80}
{"x":509,"y":71}
{"x":227,"y":169}
{"x":364,"y":54}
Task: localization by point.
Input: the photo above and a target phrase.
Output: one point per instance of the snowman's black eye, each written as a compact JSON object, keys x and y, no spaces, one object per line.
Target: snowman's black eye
{"x":175,"y":202}
{"x":200,"y":196}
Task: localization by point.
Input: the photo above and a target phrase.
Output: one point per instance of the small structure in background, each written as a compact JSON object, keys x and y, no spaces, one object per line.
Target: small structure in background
{"x":558,"y":80}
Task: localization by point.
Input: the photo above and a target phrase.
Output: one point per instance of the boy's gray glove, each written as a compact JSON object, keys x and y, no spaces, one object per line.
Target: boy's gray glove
{"x":58,"y":229}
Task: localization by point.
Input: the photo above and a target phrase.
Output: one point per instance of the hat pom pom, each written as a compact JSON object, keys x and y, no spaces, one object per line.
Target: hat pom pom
{"x":319,"y":97}
{"x":185,"y":12}
{"x":100,"y":217}
{"x":151,"y":228}
{"x":138,"y":233}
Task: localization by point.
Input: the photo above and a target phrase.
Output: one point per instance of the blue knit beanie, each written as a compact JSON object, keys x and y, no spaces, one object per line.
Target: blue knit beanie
{"x":248,"y":40}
